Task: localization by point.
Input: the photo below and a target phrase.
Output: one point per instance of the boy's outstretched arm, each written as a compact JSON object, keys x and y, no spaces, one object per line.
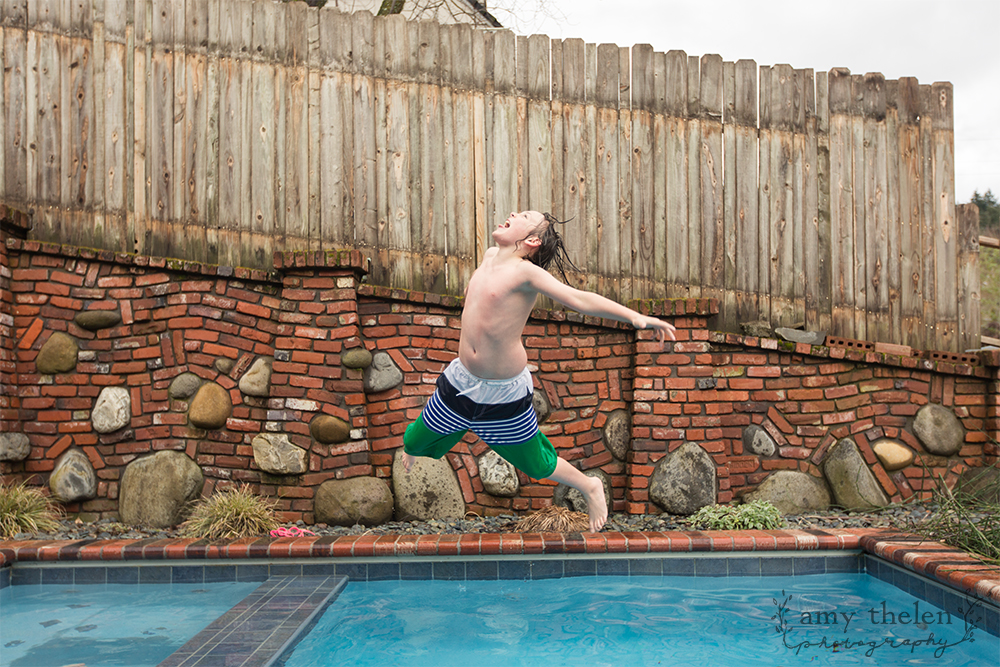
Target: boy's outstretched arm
{"x":589,"y":303}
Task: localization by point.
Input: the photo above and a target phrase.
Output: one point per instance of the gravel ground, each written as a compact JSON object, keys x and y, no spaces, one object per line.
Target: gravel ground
{"x":901,"y":517}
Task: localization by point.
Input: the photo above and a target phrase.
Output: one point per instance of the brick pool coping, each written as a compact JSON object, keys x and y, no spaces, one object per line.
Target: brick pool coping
{"x":947,"y":565}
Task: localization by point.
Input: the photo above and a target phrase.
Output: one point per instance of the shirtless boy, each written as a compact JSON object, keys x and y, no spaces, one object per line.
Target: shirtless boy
{"x":488,"y":388}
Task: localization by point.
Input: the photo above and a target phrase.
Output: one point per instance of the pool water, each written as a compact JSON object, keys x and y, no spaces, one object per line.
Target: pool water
{"x":107,"y":624}
{"x":829,"y":619}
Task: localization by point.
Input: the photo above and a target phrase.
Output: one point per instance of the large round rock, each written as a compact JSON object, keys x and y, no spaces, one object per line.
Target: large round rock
{"x":429,"y":490}
{"x":113,"y":410}
{"x":329,"y":430}
{"x":347,"y":502}
{"x":617,"y":434}
{"x":939,"y":430}
{"x":792,"y":492}
{"x":683,"y":482}
{"x":274,"y":453}
{"x":14,"y":446}
{"x":73,"y":478}
{"x":383,"y":374}
{"x":572,"y":499}
{"x":156,"y":490}
{"x":853,"y":485}
{"x":210,"y":407}
{"x":58,"y":355}
{"x":498,"y":476}
{"x":983,"y":484}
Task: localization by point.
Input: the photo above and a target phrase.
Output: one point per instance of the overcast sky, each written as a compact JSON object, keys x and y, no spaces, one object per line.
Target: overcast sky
{"x":933,"y":40}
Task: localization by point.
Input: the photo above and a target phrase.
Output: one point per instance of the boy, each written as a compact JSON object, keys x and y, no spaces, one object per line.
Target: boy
{"x":488,"y":388}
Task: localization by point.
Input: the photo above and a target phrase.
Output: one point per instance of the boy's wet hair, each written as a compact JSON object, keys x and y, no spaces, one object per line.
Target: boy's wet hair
{"x":552,"y":249}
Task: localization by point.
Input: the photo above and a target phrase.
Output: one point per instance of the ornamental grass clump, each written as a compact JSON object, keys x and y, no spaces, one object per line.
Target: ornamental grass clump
{"x":554,"y":519}
{"x":758,"y":515}
{"x":231,"y":514}
{"x":966,"y":517}
{"x":25,"y":509}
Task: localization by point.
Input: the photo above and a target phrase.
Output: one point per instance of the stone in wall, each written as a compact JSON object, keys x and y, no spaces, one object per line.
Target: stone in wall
{"x":73,"y":478}
{"x":572,"y":499}
{"x":257,"y":380}
{"x":95,"y":320}
{"x":113,"y":410}
{"x":210,"y":407}
{"x":358,"y":500}
{"x":760,"y":329}
{"x":684,"y":481}
{"x":58,"y":355}
{"x":382,"y":375}
{"x":540,"y":402}
{"x":157,"y":490}
{"x":224,"y":365}
{"x":758,"y":441}
{"x":184,"y":386}
{"x":356,"y":357}
{"x":792,"y":492}
{"x":498,"y":476}
{"x":799,"y":336}
{"x":893,"y":455}
{"x":329,"y":430}
{"x":429,"y":490}
{"x":275,"y":454}
{"x":853,"y":484}
{"x":14,"y":446}
{"x":981,"y":483}
{"x":617,"y":434}
{"x":939,"y":430}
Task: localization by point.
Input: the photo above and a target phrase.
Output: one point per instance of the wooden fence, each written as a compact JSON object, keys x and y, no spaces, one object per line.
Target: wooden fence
{"x":225,"y":130}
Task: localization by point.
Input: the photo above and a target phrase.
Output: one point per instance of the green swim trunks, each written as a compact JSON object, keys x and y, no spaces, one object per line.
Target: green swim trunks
{"x":501,"y":415}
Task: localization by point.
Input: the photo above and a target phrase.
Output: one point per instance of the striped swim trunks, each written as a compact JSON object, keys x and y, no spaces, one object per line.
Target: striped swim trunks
{"x":498,"y":411}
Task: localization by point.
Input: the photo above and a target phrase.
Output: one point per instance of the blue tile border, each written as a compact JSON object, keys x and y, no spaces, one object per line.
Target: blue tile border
{"x":984,"y":614}
{"x":444,"y":568}
{"x":262,"y":626}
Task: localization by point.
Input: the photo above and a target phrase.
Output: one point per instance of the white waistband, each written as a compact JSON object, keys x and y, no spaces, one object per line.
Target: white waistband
{"x":488,"y":391}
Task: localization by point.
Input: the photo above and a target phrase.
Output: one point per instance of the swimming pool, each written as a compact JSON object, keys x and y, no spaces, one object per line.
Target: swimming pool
{"x":133,"y":625}
{"x":828,"y":619}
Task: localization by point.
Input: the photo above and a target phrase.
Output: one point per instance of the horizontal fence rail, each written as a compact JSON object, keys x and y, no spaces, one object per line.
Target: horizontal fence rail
{"x":225,"y":130}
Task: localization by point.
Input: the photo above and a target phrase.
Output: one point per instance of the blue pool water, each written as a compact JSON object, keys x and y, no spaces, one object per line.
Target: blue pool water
{"x":107,"y":625}
{"x":588,"y":621}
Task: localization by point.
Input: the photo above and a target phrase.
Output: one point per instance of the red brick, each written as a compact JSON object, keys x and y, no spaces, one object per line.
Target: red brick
{"x":29,"y":337}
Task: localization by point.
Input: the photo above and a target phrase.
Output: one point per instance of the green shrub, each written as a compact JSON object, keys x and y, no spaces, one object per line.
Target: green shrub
{"x":758,"y":515}
{"x":25,"y":509}
{"x":231,"y":514}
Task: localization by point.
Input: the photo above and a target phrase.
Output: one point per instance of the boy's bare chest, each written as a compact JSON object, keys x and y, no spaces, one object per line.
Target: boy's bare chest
{"x":494,"y":291}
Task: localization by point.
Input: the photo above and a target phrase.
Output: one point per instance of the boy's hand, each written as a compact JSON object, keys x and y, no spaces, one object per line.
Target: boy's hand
{"x":663,"y":329}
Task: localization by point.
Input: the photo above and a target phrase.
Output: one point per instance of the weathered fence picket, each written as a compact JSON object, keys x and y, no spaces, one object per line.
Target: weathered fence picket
{"x":224,"y":131}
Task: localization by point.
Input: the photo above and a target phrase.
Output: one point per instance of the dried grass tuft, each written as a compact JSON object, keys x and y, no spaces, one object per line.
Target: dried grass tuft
{"x":554,"y":519}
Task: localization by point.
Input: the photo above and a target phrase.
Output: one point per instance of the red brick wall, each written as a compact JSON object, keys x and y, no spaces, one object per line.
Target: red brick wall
{"x":182,"y":316}
{"x":806,"y":398}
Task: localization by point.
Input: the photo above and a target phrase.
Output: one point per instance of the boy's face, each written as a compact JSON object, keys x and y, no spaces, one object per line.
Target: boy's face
{"x":520,"y":227}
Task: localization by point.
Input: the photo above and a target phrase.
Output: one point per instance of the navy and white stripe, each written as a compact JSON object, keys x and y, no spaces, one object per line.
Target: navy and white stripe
{"x":497,"y":425}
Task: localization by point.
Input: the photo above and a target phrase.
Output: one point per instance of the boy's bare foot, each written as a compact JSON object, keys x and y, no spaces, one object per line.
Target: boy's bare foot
{"x":592,"y":489}
{"x":597,"y":506}
{"x":408,"y":461}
